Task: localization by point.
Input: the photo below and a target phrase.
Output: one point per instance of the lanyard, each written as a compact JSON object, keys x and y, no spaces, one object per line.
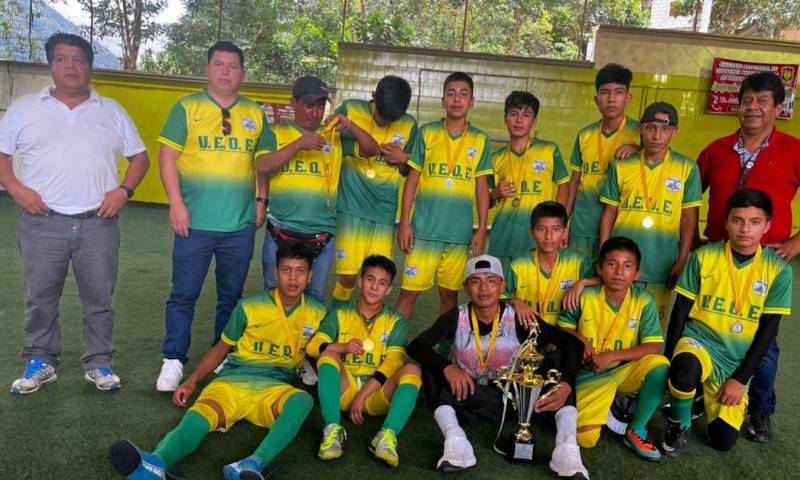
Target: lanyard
{"x":541,"y":302}
{"x":453,"y":160}
{"x":294,"y":340}
{"x":612,"y":328}
{"x":748,"y":164}
{"x":328,"y":133}
{"x":492,"y":338}
{"x":651,"y":200}
{"x":740,"y":296}
{"x":614,"y":145}
{"x":371,"y":128}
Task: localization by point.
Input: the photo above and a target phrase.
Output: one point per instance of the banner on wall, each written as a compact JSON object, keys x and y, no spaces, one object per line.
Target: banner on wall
{"x":727,"y":76}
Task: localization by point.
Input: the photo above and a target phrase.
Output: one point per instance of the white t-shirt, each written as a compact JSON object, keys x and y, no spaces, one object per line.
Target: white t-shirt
{"x":69,"y":156}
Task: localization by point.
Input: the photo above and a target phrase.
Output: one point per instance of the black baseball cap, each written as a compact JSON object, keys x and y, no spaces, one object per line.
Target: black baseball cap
{"x":650,"y":112}
{"x":310,"y":89}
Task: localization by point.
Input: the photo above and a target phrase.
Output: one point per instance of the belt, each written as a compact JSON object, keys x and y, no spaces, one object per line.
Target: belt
{"x":80,"y":216}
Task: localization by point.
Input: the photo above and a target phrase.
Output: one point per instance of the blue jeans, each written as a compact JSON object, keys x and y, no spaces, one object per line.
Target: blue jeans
{"x":762,"y":386}
{"x":320,"y":268}
{"x":191,"y":257}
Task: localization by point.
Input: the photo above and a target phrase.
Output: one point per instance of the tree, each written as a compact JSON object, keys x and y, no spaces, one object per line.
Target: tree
{"x":132,"y":22}
{"x":748,"y":18}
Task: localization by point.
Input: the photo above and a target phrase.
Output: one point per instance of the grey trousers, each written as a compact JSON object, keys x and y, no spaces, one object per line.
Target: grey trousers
{"x":48,"y":244}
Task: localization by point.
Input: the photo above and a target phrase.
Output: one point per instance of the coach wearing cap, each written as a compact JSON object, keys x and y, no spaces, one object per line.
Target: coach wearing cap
{"x":761,"y":157}
{"x":303,"y":159}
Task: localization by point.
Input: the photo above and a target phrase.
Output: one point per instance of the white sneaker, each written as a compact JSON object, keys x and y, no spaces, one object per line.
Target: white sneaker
{"x":308,"y":375}
{"x":170,"y":376}
{"x":221,"y":365}
{"x":458,"y":455}
{"x":566,"y":462}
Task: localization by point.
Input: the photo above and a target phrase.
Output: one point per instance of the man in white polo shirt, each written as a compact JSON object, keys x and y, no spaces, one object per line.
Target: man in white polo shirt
{"x":69,"y":139}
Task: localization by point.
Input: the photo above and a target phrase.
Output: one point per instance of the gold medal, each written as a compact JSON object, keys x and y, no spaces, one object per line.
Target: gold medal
{"x":515,"y":203}
{"x":368,"y":345}
{"x":370,"y":173}
{"x":647,"y":221}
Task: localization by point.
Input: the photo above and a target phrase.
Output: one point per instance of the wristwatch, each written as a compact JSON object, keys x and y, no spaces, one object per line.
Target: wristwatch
{"x":128,"y":190}
{"x":263,"y":200}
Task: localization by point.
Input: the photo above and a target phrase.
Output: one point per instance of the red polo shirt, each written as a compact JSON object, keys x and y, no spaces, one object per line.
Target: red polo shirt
{"x":776,"y":172}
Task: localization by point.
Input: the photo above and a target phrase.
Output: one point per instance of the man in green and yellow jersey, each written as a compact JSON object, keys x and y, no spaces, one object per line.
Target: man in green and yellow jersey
{"x":362,"y":365}
{"x":526,"y":172}
{"x":730,"y":298}
{"x":206,"y":161}
{"x":653,"y":197}
{"x":303,"y":159}
{"x":266,"y":337}
{"x":368,"y":189}
{"x":448,"y":178}
{"x":614,"y":136}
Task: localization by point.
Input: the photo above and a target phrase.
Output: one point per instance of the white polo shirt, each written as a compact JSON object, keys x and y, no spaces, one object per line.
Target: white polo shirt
{"x":69,"y":156}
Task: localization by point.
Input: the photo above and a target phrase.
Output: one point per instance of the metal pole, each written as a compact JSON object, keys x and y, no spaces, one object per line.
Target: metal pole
{"x":219,"y":22}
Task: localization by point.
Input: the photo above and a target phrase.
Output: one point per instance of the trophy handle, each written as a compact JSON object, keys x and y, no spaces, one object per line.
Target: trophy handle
{"x":553,"y":378}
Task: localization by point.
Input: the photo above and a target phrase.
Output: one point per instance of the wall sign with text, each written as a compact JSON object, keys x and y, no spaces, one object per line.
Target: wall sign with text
{"x":727,"y":76}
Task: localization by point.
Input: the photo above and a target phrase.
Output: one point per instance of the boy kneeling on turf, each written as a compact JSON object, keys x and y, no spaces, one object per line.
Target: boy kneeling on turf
{"x":485,"y":335}
{"x":267,"y":336}
{"x":731,"y":296}
{"x":618,"y":323}
{"x":361,"y":350}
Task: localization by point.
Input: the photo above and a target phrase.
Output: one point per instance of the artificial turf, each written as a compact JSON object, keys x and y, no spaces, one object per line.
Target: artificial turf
{"x":64,"y":430}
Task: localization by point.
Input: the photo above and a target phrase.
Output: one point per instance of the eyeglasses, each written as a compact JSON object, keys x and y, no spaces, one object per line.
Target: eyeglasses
{"x":226,"y":125}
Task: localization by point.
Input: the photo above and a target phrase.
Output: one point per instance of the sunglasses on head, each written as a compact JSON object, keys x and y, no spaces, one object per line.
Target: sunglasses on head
{"x":226,"y":124}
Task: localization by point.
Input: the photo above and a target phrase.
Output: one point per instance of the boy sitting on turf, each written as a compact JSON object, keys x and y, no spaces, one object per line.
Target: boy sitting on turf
{"x":464,"y":386}
{"x":361,"y":350}
{"x":618,"y":323}
{"x":541,"y":280}
{"x":731,"y":296}
{"x":267,"y":336}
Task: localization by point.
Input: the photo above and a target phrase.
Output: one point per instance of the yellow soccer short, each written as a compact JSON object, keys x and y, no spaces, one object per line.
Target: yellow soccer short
{"x":357,"y":239}
{"x":375,"y":405}
{"x":596,"y":393}
{"x":733,"y":415}
{"x":663,"y":297}
{"x":446,"y":261}
{"x":239,"y":400}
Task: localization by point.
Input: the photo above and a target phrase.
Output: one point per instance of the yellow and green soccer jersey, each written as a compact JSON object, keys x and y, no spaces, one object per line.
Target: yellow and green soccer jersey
{"x":388,"y":331}
{"x":591,"y":155}
{"x":633,"y":323}
{"x":536,"y":174}
{"x":673,"y":184}
{"x":526,"y":281}
{"x":269,"y":342}
{"x":217,"y":176}
{"x":444,"y":200}
{"x":713,"y":320}
{"x":373,"y":199}
{"x":303,"y":193}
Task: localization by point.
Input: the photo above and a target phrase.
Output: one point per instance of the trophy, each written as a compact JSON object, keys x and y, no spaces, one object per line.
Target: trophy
{"x":522,"y":385}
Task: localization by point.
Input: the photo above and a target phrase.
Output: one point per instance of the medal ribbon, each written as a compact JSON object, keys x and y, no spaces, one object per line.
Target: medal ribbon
{"x":612,"y":328}
{"x":328,"y":133}
{"x":492,"y":338}
{"x":740,"y":296}
{"x":452,"y":161}
{"x":293,"y":340}
{"x":517,"y":180}
{"x":614,"y":138}
{"x":372,"y":126}
{"x":552,"y":282}
{"x":651,"y":200}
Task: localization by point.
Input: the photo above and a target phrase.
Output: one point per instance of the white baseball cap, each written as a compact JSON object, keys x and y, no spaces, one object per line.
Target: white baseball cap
{"x":483,"y":264}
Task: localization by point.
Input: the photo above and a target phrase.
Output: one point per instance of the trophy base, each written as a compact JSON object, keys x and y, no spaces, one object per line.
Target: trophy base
{"x":521,"y":452}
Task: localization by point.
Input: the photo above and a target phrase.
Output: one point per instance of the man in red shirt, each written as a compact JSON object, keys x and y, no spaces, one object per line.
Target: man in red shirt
{"x":756,"y":156}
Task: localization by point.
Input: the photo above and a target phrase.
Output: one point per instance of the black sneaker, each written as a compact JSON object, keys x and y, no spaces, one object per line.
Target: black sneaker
{"x":759,"y":428}
{"x":674,"y":442}
{"x":698,"y":408}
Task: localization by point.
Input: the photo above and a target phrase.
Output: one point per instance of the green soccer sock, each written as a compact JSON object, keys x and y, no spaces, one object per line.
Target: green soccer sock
{"x":681,"y":410}
{"x":403,"y":402}
{"x":184,"y":439}
{"x":649,"y":399}
{"x":294,"y":413}
{"x":329,"y":391}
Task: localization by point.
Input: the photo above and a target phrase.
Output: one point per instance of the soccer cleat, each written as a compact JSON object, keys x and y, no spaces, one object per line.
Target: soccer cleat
{"x":134,"y":463}
{"x":566,"y":462}
{"x":308,"y":376}
{"x":674,"y":443}
{"x":384,"y":447}
{"x":758,"y":428}
{"x":249,"y":468}
{"x":170,"y":376}
{"x":333,"y":437}
{"x":103,"y":378}
{"x":458,"y":455}
{"x":642,"y":446}
{"x":37,"y":373}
